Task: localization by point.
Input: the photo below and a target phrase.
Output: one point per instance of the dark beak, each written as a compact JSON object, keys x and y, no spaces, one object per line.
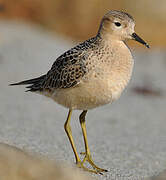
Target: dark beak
{"x":137,"y":38}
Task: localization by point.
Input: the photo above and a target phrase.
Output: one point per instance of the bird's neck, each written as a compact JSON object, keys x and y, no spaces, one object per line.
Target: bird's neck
{"x":110,"y":40}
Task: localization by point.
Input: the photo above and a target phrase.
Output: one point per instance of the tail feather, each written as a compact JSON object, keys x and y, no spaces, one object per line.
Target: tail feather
{"x":29,"y":81}
{"x":35,"y":84}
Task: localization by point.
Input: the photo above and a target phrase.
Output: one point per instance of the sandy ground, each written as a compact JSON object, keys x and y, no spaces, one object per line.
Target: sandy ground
{"x":16,"y":164}
{"x":128,"y":137}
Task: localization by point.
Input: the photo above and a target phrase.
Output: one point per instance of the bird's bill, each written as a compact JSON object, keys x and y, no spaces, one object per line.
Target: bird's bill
{"x":137,"y":38}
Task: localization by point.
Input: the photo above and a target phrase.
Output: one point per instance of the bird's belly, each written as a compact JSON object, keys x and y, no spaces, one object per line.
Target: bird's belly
{"x":88,"y":95}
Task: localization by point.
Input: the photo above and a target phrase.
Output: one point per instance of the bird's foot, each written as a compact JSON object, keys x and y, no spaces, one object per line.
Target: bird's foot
{"x":81,"y":165}
{"x":88,"y":159}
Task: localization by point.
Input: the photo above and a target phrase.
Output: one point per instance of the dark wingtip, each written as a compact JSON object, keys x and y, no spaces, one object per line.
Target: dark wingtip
{"x":13,"y":84}
{"x":28,"y":90}
{"x":19,"y":83}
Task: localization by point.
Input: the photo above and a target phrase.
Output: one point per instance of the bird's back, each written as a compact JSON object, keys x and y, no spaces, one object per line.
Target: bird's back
{"x":68,"y":69}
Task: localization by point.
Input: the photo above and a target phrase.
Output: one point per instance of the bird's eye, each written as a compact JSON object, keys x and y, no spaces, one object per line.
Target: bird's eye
{"x":117,"y":24}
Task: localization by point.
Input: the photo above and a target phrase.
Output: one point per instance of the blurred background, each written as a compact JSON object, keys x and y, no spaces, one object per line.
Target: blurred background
{"x":79,"y":19}
{"x":127,"y":137}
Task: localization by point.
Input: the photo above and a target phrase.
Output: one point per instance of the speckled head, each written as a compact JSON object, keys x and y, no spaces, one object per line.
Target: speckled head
{"x":119,"y":25}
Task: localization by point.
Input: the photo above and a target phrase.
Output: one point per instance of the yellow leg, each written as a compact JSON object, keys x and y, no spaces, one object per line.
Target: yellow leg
{"x":87,"y":151}
{"x":87,"y":158}
{"x":69,"y":134}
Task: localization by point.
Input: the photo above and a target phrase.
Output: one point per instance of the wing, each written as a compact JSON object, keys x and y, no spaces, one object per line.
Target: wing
{"x":66,"y":71}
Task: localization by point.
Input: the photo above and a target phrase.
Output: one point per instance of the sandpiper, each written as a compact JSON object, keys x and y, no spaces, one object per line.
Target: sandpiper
{"x":91,"y":74}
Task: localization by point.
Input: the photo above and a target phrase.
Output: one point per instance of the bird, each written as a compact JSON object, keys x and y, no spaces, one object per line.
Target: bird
{"x":91,"y":74}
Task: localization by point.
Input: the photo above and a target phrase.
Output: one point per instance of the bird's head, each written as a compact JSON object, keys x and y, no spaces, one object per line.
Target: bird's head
{"x":119,"y":25}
